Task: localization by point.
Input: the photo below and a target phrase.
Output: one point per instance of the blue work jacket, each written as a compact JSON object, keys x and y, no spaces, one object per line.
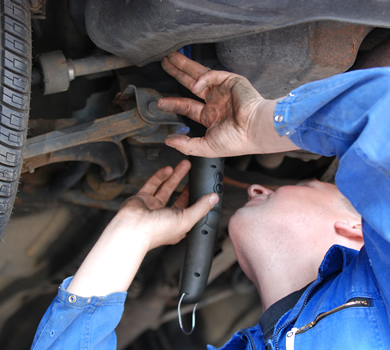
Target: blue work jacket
{"x":348,"y":306}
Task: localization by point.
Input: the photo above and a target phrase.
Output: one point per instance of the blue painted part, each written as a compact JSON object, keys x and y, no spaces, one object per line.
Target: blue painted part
{"x":186,"y":51}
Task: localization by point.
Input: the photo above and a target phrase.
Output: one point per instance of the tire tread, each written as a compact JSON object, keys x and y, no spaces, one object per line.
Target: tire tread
{"x":15,"y":68}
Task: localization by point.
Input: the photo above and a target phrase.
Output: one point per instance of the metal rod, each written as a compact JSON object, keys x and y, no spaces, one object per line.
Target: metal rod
{"x":96,"y":64}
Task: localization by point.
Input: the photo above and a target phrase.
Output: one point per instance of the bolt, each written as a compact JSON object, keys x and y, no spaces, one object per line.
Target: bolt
{"x":152,"y":107}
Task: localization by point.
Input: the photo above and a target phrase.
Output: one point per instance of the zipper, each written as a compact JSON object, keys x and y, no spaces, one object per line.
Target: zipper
{"x":249,"y":336}
{"x":355,"y":302}
{"x":300,"y":311}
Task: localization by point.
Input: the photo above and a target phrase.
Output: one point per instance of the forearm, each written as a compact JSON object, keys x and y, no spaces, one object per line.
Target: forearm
{"x":112,"y":263}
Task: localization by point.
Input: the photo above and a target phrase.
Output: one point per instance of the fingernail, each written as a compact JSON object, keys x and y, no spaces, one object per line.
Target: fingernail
{"x":213,"y":199}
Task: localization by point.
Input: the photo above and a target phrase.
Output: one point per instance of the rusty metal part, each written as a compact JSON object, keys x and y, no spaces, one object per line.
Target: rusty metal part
{"x":68,"y":178}
{"x":144,"y":119}
{"x":303,"y":52}
{"x":79,"y":198}
{"x":377,"y":57}
{"x":104,"y":129}
{"x":160,"y":134}
{"x":42,"y":126}
{"x":335,"y":45}
{"x":96,"y":64}
{"x":96,"y":188}
{"x":54,"y":72}
{"x":109,"y":156}
{"x":38,"y":9}
{"x":146,"y":105}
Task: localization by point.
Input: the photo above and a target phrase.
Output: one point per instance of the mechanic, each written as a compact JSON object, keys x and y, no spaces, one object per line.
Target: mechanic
{"x":302,"y":246}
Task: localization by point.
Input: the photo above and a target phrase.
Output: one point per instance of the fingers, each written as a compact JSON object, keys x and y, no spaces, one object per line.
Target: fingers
{"x":192,"y":68}
{"x":208,"y":80}
{"x":184,"y":106}
{"x":198,"y":210}
{"x":182,"y":77}
{"x":151,"y":186}
{"x":168,"y":187}
{"x":182,"y":201}
{"x":196,"y":146}
{"x":185,"y":70}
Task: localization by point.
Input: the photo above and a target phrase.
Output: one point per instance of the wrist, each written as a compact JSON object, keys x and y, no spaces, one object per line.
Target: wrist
{"x":112,"y":263}
{"x":128,"y":227}
{"x":267,"y":140}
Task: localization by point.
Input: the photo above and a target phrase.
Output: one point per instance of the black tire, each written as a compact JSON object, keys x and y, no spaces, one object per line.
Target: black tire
{"x":15,"y":86}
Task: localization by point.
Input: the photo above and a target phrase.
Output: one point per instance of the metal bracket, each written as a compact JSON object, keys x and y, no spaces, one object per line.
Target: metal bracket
{"x":144,"y":119}
{"x":38,"y":9}
{"x":147,"y":105}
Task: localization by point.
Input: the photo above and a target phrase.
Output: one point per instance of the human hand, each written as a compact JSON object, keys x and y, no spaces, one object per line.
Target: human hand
{"x":142,"y":223}
{"x":234,"y":112}
{"x":147,"y":214}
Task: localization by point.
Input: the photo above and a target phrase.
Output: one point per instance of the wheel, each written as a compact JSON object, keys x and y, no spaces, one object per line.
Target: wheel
{"x":15,"y":85}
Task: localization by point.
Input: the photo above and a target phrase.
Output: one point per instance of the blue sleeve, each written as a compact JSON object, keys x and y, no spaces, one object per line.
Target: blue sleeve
{"x":73,"y":322}
{"x":348,"y":115}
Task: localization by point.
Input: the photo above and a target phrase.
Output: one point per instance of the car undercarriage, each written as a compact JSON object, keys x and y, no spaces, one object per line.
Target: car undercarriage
{"x":95,"y":135}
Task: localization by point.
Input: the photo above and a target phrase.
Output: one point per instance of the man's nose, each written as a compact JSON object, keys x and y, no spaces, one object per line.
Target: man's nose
{"x":257,"y":190}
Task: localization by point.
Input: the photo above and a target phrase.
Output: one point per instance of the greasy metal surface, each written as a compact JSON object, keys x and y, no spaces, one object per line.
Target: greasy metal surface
{"x":95,"y":64}
{"x":79,"y":198}
{"x":97,"y":130}
{"x":109,"y":156}
{"x":147,"y":106}
{"x":96,"y":188}
{"x":38,"y":9}
{"x":69,"y":177}
{"x":335,"y":45}
{"x":160,"y":134}
{"x":145,"y":31}
{"x":292,"y":56}
{"x":112,"y":128}
{"x":54,"y":72}
{"x":42,"y":126}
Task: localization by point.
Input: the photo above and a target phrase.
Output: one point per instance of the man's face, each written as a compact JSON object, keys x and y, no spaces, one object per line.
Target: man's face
{"x":293,"y":220}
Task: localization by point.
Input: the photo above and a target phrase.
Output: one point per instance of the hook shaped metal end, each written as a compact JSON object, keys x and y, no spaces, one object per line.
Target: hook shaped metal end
{"x":179,"y":313}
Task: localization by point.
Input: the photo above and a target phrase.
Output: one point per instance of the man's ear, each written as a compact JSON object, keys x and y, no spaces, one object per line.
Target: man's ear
{"x":348,"y":230}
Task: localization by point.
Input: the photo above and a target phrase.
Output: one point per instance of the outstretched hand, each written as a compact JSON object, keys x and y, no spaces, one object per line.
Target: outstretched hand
{"x":147,"y":212}
{"x":231,"y":110}
{"x":142,"y":223}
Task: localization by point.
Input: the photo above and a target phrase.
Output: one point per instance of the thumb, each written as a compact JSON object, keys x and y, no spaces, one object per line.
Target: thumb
{"x":198,"y":210}
{"x":196,"y":146}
